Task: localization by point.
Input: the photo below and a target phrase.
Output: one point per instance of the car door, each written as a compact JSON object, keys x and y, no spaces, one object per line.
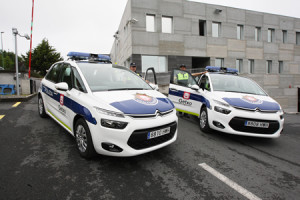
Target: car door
{"x":64,"y":110}
{"x":150,"y":78}
{"x":185,"y":93}
{"x":49,"y":91}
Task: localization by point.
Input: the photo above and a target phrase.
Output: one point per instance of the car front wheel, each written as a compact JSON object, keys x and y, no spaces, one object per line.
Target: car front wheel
{"x":83,"y":138}
{"x":203,"y":121}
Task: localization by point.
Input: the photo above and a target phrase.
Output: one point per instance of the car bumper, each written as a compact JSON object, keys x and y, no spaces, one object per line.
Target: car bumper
{"x":127,"y":140}
{"x":234,"y":123}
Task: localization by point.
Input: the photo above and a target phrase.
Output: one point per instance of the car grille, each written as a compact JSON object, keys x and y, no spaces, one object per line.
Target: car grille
{"x":157,"y":113}
{"x":238,"y":124}
{"x":138,"y":139}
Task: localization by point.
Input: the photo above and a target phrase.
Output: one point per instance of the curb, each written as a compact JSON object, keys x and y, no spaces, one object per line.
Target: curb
{"x":16,"y":98}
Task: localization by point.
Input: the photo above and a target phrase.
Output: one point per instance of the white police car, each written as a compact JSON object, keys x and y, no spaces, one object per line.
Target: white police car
{"x":227,"y":102}
{"x":107,"y":108}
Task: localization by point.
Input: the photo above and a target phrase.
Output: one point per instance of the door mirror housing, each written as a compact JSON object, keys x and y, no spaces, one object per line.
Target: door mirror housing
{"x":63,"y":86}
{"x":195,"y":87}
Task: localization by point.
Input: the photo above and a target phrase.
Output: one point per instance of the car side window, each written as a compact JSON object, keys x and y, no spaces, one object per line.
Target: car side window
{"x":66,"y":75}
{"x":182,"y":78}
{"x":204,"y":83}
{"x":53,"y":74}
{"x":77,"y":81}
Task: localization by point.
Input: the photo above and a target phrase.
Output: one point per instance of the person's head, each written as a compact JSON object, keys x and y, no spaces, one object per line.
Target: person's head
{"x":133,"y":67}
{"x":182,"y":67}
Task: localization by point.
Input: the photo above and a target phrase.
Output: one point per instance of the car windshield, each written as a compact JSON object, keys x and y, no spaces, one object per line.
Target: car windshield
{"x":233,"y":83}
{"x":107,"y":77}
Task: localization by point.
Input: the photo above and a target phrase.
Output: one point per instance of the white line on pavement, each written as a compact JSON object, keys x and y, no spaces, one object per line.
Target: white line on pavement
{"x":229,"y":182}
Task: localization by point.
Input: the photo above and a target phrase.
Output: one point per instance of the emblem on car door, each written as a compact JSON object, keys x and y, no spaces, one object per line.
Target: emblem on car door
{"x":61,"y":99}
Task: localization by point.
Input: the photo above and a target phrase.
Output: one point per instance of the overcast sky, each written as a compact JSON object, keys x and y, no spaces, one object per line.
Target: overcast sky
{"x":89,"y":25}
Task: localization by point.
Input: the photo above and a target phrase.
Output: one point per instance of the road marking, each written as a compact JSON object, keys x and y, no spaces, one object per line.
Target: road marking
{"x":229,"y":182}
{"x":16,"y":104}
{"x":1,"y":116}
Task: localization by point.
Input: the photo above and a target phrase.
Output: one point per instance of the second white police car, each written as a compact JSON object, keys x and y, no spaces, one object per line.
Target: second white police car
{"x":227,"y":102}
{"x":107,"y":108}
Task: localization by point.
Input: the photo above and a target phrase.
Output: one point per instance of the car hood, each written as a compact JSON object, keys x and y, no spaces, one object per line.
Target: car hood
{"x":136,"y":101}
{"x":249,"y":101}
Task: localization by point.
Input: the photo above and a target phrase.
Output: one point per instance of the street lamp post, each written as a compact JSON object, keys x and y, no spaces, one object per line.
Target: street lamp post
{"x":15,"y":32}
{"x":2,"y":50}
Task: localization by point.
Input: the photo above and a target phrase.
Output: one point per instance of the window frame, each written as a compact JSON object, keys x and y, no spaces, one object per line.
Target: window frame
{"x":219,"y":29}
{"x":163,"y":27}
{"x":257,"y":34}
{"x":154,"y":22}
{"x":240,"y":31}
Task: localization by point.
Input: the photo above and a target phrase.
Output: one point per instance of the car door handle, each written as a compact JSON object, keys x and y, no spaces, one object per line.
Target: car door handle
{"x":55,"y":93}
{"x":173,"y":90}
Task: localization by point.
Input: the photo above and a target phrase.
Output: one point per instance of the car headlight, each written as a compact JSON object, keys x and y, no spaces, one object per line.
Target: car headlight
{"x":113,"y":124}
{"x":222,"y":110}
{"x":109,"y":113}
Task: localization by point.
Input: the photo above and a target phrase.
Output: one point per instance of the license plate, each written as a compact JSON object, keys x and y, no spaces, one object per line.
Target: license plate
{"x":161,"y":132}
{"x":257,"y":124}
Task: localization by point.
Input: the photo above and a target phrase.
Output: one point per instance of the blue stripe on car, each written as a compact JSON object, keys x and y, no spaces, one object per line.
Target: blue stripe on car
{"x":71,"y":104}
{"x":134,"y":107}
{"x":194,"y":97}
{"x":265,"y":105}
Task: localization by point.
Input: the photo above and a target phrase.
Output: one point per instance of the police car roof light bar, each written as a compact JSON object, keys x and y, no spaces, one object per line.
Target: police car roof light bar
{"x":221,"y":69}
{"x":88,"y":56}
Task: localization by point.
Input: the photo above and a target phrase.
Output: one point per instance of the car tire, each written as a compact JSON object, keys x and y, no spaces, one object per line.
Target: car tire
{"x":203,"y":120}
{"x":41,"y":107}
{"x":84,"y":142}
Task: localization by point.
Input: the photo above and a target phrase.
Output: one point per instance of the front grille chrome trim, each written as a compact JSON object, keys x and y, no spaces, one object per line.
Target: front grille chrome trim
{"x":156,"y":114}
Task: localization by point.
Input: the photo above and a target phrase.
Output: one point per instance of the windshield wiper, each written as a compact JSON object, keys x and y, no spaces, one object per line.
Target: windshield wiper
{"x":242,"y":92}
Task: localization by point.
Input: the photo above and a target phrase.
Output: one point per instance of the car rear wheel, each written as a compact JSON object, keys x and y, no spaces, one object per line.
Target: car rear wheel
{"x":203,"y":121}
{"x":83,"y":138}
{"x":41,"y":107}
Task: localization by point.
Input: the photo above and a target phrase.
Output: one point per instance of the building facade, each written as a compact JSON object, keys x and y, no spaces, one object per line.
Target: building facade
{"x":164,"y":34}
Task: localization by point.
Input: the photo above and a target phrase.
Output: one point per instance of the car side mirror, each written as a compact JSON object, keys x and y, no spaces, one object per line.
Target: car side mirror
{"x":195,"y":87}
{"x":63,"y":86}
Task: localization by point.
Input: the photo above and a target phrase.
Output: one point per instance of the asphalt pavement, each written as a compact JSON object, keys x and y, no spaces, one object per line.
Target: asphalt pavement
{"x":39,"y":160}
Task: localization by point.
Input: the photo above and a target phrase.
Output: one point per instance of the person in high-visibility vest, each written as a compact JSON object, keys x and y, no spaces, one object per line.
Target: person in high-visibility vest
{"x":182,"y":77}
{"x":133,"y":68}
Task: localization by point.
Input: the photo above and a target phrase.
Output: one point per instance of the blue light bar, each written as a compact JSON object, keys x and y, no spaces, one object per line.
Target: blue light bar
{"x":221,"y":69}
{"x":88,"y":56}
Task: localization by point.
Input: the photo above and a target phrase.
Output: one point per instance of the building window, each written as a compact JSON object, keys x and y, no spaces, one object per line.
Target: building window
{"x":216,"y":29}
{"x":239,"y":65}
{"x":202,"y":27}
{"x":257,"y":34}
{"x":271,"y":35}
{"x":298,"y":38}
{"x":219,"y":62}
{"x":280,"y":69}
{"x":158,"y":62}
{"x":284,"y":36}
{"x":269,"y":66}
{"x":240,"y":32}
{"x":150,"y":23}
{"x":167,"y":24}
{"x":251,"y":66}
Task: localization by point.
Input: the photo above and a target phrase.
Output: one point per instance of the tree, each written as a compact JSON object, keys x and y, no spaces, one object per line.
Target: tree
{"x":9,"y":60}
{"x":42,"y":57}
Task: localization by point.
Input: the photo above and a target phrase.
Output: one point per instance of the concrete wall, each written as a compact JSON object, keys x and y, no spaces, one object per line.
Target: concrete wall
{"x":185,"y":41}
{"x":9,"y":78}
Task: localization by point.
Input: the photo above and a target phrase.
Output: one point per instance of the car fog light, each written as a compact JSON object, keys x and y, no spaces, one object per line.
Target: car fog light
{"x":281,"y":117}
{"x":113,"y":124}
{"x":111,"y":147}
{"x":222,"y":110}
{"x":218,"y":124}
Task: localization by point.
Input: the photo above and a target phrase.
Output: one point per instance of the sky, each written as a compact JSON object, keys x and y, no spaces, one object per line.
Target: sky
{"x":89,"y":25}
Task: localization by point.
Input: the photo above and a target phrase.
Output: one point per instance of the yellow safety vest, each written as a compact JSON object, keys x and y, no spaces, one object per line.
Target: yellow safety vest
{"x":184,"y":76}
